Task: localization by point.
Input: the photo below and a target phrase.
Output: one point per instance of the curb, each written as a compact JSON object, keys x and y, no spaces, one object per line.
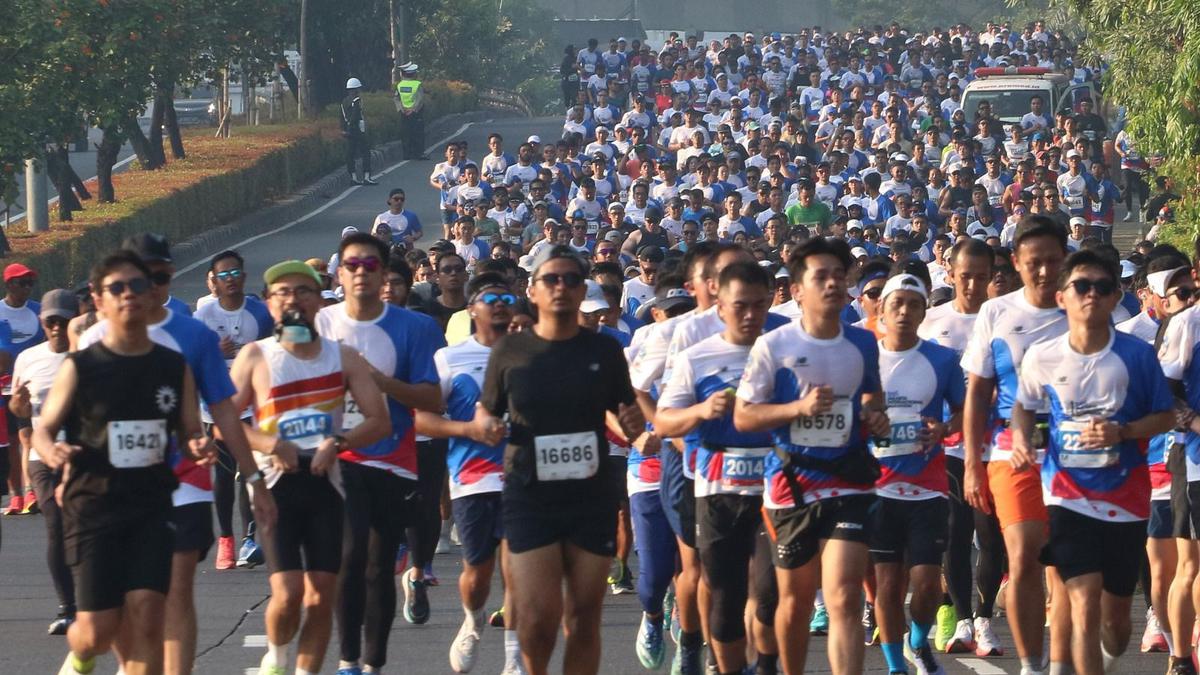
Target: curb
{"x":292,"y":206}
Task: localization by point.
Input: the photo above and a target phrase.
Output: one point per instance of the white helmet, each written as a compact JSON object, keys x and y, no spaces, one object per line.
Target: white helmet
{"x":353,"y":83}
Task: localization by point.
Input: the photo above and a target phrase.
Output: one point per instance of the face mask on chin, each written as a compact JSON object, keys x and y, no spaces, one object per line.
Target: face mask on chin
{"x":294,"y":328}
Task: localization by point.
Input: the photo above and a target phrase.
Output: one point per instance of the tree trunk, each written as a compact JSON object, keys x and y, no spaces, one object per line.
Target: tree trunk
{"x":155,"y":145}
{"x":141,"y":146}
{"x":176,"y":138}
{"x":106,"y":156}
{"x":56,"y":158}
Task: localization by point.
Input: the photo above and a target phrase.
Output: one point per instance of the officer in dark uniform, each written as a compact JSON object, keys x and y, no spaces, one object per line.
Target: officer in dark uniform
{"x":354,"y":128}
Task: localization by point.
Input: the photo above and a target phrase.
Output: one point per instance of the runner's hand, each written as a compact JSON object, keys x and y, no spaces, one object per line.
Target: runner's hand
{"x":818,"y":401}
{"x":21,"y":396}
{"x":202,"y":450}
{"x":975,"y":487}
{"x":877,"y":422}
{"x":60,"y":453}
{"x":324,"y":458}
{"x":486,"y":428}
{"x":718,"y":405}
{"x":1022,"y":456}
{"x":262,"y":503}
{"x":633,"y":423}
{"x":648,"y":444}
{"x":229,"y":348}
{"x":285,"y":456}
{"x":932,"y":433}
{"x":1100,"y":433}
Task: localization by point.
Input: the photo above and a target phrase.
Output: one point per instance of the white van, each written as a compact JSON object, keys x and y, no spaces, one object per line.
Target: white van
{"x":1010,"y":88}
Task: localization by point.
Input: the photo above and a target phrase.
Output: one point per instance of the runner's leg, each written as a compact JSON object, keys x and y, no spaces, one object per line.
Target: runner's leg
{"x":530,"y":574}
{"x":585,"y":573}
{"x":179,"y":647}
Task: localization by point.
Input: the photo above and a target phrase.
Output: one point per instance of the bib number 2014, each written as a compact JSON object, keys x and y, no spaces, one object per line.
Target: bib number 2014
{"x":566,"y":456}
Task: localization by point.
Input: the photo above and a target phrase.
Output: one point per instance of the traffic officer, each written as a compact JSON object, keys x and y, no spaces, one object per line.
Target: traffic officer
{"x":410,"y":99}
{"x":354,"y":128}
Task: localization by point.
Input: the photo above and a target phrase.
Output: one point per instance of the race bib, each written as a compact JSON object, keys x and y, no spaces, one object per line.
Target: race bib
{"x":593,"y":227}
{"x":830,"y":430}
{"x":136,"y":444}
{"x":1090,"y":135}
{"x":1072,"y":454}
{"x":566,"y":456}
{"x":994,"y":200}
{"x":905,"y":438}
{"x":351,"y":416}
{"x":305,"y":427}
{"x":741,"y":467}
{"x":1074,"y":202}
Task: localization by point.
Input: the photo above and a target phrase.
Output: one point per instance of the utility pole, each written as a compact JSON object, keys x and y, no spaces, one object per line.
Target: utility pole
{"x":37,"y":210}
{"x":395,"y":35}
{"x":305,"y":91}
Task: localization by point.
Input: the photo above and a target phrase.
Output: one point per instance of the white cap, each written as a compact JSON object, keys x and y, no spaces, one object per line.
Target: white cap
{"x":905,"y":282}
{"x":328,"y":295}
{"x":852,"y":223}
{"x":348,"y":230}
{"x":1073,"y":153}
{"x":593,"y":300}
{"x":859,"y":252}
{"x":526,"y":262}
{"x":1128,"y":269}
{"x":782,"y":273}
{"x":534,"y":139}
{"x":353,"y":83}
{"x":1078,"y":220}
{"x":1157,"y":281}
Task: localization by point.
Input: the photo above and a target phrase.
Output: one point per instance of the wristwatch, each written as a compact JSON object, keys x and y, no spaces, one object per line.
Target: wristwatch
{"x":255,"y":477}
{"x":341,"y":442}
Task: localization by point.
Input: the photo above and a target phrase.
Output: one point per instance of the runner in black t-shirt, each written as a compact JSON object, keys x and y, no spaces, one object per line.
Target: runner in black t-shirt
{"x":123,"y":406}
{"x":559,"y":387}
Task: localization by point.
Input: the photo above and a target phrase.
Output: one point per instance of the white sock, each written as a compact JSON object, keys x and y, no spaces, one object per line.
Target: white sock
{"x":301,"y":671}
{"x":1057,"y":668}
{"x":1110,"y":661}
{"x":475,"y":618}
{"x":347,"y":664}
{"x":1170,"y":642}
{"x":277,"y":655}
{"x":512,"y":648}
{"x":820,"y":601}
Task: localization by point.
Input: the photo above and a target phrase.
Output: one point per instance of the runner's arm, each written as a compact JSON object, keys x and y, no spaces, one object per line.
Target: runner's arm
{"x":421,"y":396}
{"x":54,"y":415}
{"x":360,"y":380}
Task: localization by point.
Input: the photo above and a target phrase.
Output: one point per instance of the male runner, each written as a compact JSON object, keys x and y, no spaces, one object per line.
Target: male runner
{"x":909,"y":521}
{"x":556,"y":383}
{"x":814,"y":384}
{"x":380,"y":478}
{"x":298,"y":383}
{"x":697,"y":405}
{"x":1005,"y":329}
{"x":125,"y":406}
{"x":1106,"y":395}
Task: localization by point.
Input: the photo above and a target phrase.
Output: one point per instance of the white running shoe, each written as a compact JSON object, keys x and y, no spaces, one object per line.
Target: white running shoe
{"x":464,"y":649}
{"x":1153,"y":639}
{"x":514,"y":668}
{"x":986,"y":642}
{"x":963,"y":641}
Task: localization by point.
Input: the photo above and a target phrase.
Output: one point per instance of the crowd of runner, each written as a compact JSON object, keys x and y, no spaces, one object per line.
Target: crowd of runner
{"x":831,"y":354}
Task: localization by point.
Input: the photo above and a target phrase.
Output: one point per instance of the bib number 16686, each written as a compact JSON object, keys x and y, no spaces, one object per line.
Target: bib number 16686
{"x":566,"y":456}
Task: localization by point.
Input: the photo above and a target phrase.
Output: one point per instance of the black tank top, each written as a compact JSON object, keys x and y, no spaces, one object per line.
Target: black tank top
{"x":657,"y":238}
{"x":113,"y":388}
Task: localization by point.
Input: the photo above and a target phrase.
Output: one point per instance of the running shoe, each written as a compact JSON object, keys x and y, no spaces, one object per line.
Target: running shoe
{"x":496,"y":620}
{"x":443,"y":545}
{"x":710,"y":662}
{"x":819,"y":625}
{"x":649,"y":645}
{"x":1002,"y":594}
{"x":31,"y":504}
{"x":464,"y":649}
{"x":16,"y":504}
{"x":620,"y":580}
{"x":431,"y":578}
{"x":250,"y":555}
{"x":870,"y":627}
{"x":963,"y":641}
{"x":264,"y":669}
{"x":1152,"y":638}
{"x":686,"y":662}
{"x":986,"y":642}
{"x":514,"y":668}
{"x":1128,"y":217}
{"x":922,"y":658}
{"x":225,"y":559}
{"x":670,"y":615}
{"x":354,"y":670}
{"x":60,"y":624}
{"x":943,"y":631}
{"x":1178,"y":666}
{"x":416,"y":600}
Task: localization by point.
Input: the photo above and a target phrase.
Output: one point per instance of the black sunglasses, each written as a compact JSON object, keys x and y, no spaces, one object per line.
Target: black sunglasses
{"x":160,"y":278}
{"x":1184,"y":293}
{"x":137,"y":286}
{"x":1103,"y":287}
{"x":569,"y":279}
{"x":873,"y":293}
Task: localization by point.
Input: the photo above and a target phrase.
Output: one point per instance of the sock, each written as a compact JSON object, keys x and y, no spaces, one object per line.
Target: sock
{"x":820,"y":601}
{"x":301,"y":671}
{"x":475,"y":618}
{"x":1170,"y":643}
{"x":1059,"y":668}
{"x":81,"y":665}
{"x":347,"y":664}
{"x":918,"y":635}
{"x":277,"y":655}
{"x":512,"y":648}
{"x":1031,"y":663}
{"x":768,"y":664}
{"x":1110,"y":661}
{"x":893,"y":652}
{"x":692,"y":641}
{"x":370,"y":669}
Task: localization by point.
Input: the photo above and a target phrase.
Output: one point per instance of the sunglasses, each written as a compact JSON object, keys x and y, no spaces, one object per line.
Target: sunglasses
{"x":1183,"y":293}
{"x":569,"y":279}
{"x":873,"y":293}
{"x":160,"y":278}
{"x":136,"y":286}
{"x":493,"y":298}
{"x":369,"y":264}
{"x":228,"y":275}
{"x":454,"y":269}
{"x":23,"y":283}
{"x":1103,"y":287}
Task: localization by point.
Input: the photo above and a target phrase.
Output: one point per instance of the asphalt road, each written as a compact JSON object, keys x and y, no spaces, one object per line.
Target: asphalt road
{"x":230,"y":603}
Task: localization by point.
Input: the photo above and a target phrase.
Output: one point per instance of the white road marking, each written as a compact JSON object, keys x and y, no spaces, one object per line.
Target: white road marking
{"x":318,"y":210}
{"x":981,"y":666}
{"x":254,"y":641}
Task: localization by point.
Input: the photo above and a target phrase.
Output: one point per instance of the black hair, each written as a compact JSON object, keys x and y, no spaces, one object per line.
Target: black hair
{"x":486,"y":280}
{"x":1089,"y":259}
{"x":748,"y":273}
{"x":212,"y":265}
{"x":112,"y":261}
{"x":397,"y":265}
{"x":974,"y":248}
{"x":1033,"y":225}
{"x":710,"y":265}
{"x":818,"y":246}
{"x":365,"y":239}
{"x":698,"y":254}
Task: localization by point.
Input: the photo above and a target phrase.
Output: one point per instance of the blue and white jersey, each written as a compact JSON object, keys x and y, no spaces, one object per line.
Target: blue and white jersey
{"x":26,"y":328}
{"x":492,"y":167}
{"x":784,"y":366}
{"x":474,"y":468}
{"x":918,"y":383}
{"x":946,"y":326}
{"x":403,"y":224}
{"x":1006,"y":328}
{"x":647,"y":367}
{"x":727,"y":461}
{"x":398,"y":343}
{"x":200,"y":346}
{"x":1177,"y":353}
{"x":249,"y":323}
{"x":178,"y":306}
{"x":1141,"y":325}
{"x":1120,"y":383}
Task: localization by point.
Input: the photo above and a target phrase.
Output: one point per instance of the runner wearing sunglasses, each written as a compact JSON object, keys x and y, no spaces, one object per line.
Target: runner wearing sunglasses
{"x":380,"y":478}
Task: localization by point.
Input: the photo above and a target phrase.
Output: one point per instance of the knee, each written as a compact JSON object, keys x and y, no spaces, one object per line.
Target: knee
{"x":319,"y":597}
{"x":289,"y":593}
{"x":844,"y":599}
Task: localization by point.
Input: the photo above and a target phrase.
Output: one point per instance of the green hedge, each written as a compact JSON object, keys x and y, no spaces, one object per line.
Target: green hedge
{"x":219,"y":199}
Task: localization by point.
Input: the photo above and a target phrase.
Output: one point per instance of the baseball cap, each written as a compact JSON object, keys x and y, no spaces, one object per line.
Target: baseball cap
{"x":1128,"y":269}
{"x":593,"y":300}
{"x":150,"y":247}
{"x":534,"y":139}
{"x":1157,"y":281}
{"x":61,"y":303}
{"x":672,"y":298}
{"x":615,"y":205}
{"x":650,"y":253}
{"x":16,"y":271}
{"x":1073,"y":153}
{"x":859,"y":252}
{"x":614,"y":236}
{"x":348,"y":230}
{"x":905,"y":282}
{"x":1078,"y":220}
{"x":283,"y":269}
